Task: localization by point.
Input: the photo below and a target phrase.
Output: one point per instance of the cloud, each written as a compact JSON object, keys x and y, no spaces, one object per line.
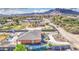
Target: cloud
{"x":75,"y":9}
{"x":10,"y":11}
{"x":39,"y":11}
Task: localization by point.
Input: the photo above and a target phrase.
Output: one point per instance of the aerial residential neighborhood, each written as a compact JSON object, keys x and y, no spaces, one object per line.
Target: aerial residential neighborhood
{"x":55,"y":29}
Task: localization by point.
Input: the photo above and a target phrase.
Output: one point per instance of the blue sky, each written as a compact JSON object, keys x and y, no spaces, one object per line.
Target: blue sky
{"x":22,"y":10}
{"x":9,"y":11}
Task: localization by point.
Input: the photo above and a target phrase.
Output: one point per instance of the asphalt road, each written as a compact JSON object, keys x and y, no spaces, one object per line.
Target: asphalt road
{"x":74,"y":41}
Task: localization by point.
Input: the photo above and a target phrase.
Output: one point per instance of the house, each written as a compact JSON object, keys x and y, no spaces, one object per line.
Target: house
{"x":30,"y":37}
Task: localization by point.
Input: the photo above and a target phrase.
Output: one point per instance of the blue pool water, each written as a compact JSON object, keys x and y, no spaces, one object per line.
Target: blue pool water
{"x":37,"y":47}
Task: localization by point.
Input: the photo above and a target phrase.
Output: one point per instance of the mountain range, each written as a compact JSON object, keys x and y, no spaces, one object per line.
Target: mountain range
{"x":58,"y":10}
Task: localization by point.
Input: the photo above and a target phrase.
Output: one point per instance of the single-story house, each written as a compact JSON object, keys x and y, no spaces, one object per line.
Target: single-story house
{"x":30,"y":37}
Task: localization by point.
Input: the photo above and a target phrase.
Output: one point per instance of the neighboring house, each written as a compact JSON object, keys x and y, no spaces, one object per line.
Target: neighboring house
{"x":3,"y":38}
{"x":9,"y":22}
{"x":0,"y":25}
{"x":31,"y":20}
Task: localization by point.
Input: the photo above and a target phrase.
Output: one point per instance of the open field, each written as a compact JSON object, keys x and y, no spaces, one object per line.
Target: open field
{"x":69,"y":24}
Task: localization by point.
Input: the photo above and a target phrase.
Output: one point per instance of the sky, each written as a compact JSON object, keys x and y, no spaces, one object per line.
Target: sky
{"x":9,"y":11}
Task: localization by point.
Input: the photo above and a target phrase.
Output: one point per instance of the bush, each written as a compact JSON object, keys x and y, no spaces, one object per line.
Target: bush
{"x":50,"y":44}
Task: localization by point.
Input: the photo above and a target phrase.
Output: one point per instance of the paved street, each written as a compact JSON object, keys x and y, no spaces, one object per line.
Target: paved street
{"x":74,"y":41}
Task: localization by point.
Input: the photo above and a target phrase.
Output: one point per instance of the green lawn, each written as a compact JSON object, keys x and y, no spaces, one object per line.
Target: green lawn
{"x":15,"y":27}
{"x":53,"y":45}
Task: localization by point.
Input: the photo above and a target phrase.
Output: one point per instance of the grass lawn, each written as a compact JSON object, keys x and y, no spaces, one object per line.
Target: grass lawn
{"x":6,"y":28}
{"x":17,"y":27}
{"x":53,"y":45}
{"x":14,"y":27}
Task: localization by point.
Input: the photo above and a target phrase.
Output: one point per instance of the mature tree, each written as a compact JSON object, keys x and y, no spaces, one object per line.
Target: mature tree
{"x":3,"y":21}
{"x":20,"y":47}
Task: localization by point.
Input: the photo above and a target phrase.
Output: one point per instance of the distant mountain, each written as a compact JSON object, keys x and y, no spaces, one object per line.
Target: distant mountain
{"x":56,"y":10}
{"x":63,"y":11}
{"x":52,"y":11}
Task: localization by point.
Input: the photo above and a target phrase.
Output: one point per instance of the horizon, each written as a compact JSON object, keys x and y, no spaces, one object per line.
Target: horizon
{"x":9,"y":11}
